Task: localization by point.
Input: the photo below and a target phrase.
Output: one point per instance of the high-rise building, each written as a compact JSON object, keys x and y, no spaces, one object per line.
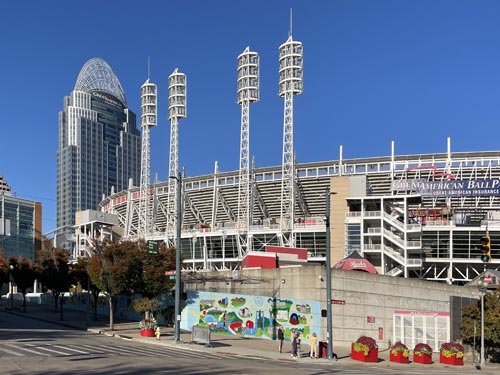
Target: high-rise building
{"x":99,"y":145}
{"x":4,"y":186}
{"x":20,"y":224}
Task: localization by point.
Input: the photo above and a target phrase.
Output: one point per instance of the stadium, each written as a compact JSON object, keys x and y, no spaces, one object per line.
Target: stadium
{"x":427,"y":234}
{"x":428,"y":216}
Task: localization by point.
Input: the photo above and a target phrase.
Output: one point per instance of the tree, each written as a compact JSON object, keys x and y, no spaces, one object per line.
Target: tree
{"x":116,"y":268}
{"x":54,"y":273}
{"x":4,"y":269}
{"x":154,"y":282}
{"x":80,"y":274}
{"x":24,"y":274}
{"x":471,"y":315}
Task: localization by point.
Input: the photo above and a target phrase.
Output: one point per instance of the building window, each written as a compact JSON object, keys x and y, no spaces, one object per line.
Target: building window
{"x":353,"y":238}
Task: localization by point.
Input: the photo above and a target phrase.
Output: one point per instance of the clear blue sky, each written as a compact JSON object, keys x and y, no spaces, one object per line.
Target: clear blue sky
{"x":414,"y":72}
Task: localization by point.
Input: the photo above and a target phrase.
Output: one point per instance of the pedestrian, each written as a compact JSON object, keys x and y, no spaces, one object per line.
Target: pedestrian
{"x":281,"y":337}
{"x":295,"y":344}
{"x":313,"y":343}
{"x":299,"y":347}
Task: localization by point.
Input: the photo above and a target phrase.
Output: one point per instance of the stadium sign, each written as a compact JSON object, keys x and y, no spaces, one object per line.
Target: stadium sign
{"x":449,"y":188}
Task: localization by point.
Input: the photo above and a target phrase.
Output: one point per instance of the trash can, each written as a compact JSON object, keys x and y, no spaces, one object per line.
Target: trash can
{"x":323,"y":349}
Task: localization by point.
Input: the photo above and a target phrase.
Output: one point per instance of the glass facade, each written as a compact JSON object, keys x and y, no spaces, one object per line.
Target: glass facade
{"x":23,"y":235}
{"x":99,"y":145}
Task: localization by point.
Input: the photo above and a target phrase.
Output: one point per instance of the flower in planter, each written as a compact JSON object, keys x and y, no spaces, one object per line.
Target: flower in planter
{"x":421,"y":349}
{"x":148,"y":324}
{"x":364,"y":344}
{"x":449,"y":348}
{"x":400,"y":347}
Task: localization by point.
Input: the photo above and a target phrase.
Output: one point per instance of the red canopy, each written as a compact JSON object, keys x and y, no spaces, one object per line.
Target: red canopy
{"x":356,"y":262}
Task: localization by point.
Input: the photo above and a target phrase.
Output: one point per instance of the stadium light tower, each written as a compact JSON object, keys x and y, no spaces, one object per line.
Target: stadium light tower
{"x":177,"y":87}
{"x":290,"y":84}
{"x":248,"y":92}
{"x":148,"y":120}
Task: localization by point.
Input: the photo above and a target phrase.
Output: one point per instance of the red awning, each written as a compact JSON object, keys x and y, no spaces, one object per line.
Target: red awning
{"x":356,"y":264}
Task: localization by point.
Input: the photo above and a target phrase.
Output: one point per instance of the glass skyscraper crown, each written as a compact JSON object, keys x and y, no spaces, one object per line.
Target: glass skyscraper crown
{"x":97,"y":75}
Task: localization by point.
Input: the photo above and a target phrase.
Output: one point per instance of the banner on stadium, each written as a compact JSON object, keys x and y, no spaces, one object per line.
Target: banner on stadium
{"x":449,"y":188}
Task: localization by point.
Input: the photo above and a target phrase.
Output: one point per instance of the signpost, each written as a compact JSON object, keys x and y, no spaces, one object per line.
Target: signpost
{"x":170,"y":274}
{"x":338,"y":302}
{"x":152,"y":247}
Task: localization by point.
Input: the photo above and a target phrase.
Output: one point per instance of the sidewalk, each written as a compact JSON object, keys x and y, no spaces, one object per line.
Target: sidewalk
{"x":221,"y":344}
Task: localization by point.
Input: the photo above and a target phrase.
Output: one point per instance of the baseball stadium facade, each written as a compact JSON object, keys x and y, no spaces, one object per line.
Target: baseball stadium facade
{"x":415,"y":216}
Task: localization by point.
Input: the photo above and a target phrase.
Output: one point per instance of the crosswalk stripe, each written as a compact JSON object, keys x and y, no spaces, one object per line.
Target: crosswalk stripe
{"x":71,"y":349}
{"x":47,"y":349}
{"x":94,"y":349}
{"x":40,"y":349}
{"x":26,"y":349}
{"x":113,"y":350}
{"x":12,"y":352}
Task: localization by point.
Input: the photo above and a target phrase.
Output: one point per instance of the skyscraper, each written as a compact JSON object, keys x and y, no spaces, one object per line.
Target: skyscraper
{"x":99,"y":144}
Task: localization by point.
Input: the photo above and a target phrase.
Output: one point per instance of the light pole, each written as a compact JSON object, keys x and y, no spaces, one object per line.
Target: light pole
{"x":177,"y":330}
{"x":328,"y":277}
{"x":482,"y":289}
{"x":11,"y":279}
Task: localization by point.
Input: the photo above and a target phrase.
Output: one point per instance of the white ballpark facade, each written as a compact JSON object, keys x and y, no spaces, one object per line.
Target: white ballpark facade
{"x":417,"y":216}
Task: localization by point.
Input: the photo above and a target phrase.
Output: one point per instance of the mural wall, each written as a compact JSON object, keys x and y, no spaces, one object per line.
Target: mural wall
{"x":254,"y":316}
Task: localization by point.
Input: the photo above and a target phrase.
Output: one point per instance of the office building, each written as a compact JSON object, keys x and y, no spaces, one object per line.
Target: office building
{"x":20,"y":224}
{"x":99,"y":145}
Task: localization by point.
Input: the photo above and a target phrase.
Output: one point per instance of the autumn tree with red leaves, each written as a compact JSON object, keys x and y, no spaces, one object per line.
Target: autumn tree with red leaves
{"x":116,"y":268}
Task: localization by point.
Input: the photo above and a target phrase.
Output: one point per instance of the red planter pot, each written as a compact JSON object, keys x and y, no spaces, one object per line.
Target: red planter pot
{"x":360,"y":356}
{"x":399,"y":358}
{"x":453,"y":360}
{"x":425,"y":359}
{"x":148,"y":332}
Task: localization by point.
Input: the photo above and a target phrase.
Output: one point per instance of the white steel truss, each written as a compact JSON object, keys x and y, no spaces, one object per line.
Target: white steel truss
{"x":290,"y":84}
{"x":177,"y":87}
{"x":248,"y":92}
{"x":148,"y":120}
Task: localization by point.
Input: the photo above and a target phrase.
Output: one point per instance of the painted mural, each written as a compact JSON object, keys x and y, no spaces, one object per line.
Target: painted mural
{"x":255,"y":316}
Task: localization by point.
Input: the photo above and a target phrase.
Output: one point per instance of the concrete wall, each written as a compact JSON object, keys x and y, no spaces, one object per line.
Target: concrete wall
{"x":338,"y":208}
{"x":365,"y":295}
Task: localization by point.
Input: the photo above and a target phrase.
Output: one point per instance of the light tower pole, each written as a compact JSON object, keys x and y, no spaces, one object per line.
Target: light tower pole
{"x":290,"y":84}
{"x":248,"y":92}
{"x":177,"y":91}
{"x":482,"y":290}
{"x":148,"y":120}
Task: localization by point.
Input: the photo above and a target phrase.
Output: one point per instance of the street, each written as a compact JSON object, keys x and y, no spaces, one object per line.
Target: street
{"x":32,"y":346}
{"x":29,"y":346}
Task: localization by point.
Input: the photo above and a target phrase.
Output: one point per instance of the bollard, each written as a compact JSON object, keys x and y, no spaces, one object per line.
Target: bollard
{"x":157,"y":332}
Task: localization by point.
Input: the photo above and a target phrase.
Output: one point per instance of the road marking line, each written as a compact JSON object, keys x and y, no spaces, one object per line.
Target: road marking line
{"x":67,"y":348}
{"x":11,"y":352}
{"x":27,"y":350}
{"x":47,"y":349}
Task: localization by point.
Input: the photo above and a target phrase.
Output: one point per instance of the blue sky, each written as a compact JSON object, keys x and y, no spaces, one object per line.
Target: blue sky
{"x":415,"y":72}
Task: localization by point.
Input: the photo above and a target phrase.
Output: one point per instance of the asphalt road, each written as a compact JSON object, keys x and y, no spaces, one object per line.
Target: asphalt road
{"x":30,"y":346}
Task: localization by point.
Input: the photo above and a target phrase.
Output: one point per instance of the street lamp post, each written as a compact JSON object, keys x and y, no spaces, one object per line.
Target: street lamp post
{"x":11,"y":279}
{"x":328,"y":279}
{"x":177,"y":329}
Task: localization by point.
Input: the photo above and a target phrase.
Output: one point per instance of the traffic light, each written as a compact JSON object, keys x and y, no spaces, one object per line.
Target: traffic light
{"x":486,"y":249}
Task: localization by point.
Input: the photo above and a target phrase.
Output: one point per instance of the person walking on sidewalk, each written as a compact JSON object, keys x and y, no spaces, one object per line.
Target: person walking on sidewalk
{"x":313,"y":343}
{"x":281,"y":337}
{"x":295,"y":344}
